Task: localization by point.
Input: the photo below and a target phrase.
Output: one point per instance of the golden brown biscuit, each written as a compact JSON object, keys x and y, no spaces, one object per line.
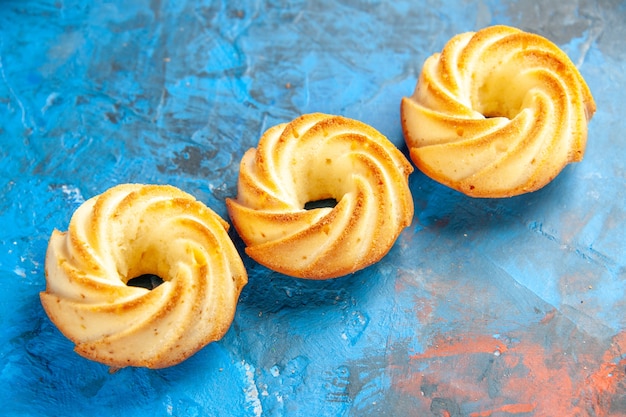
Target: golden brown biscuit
{"x":497,"y":113}
{"x":126,"y":232}
{"x":316,"y":157}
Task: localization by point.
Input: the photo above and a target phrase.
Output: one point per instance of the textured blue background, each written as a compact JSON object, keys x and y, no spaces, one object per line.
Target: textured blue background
{"x":482,"y":308}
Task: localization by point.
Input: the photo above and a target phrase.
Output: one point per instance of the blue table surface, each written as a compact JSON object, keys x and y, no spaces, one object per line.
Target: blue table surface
{"x":482,"y":308}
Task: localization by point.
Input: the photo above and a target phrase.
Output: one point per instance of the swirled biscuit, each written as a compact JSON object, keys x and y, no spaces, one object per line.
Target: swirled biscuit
{"x":129,"y":231}
{"x":317,"y":157}
{"x":498,"y":112}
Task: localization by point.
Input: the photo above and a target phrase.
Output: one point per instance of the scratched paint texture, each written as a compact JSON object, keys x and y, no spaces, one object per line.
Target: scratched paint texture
{"x":508,"y":307}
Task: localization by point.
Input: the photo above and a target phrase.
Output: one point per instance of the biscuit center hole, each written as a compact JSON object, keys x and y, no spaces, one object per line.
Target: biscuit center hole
{"x":502,"y":94}
{"x":326,"y":202}
{"x":147,"y":281}
{"x":494,"y":102}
